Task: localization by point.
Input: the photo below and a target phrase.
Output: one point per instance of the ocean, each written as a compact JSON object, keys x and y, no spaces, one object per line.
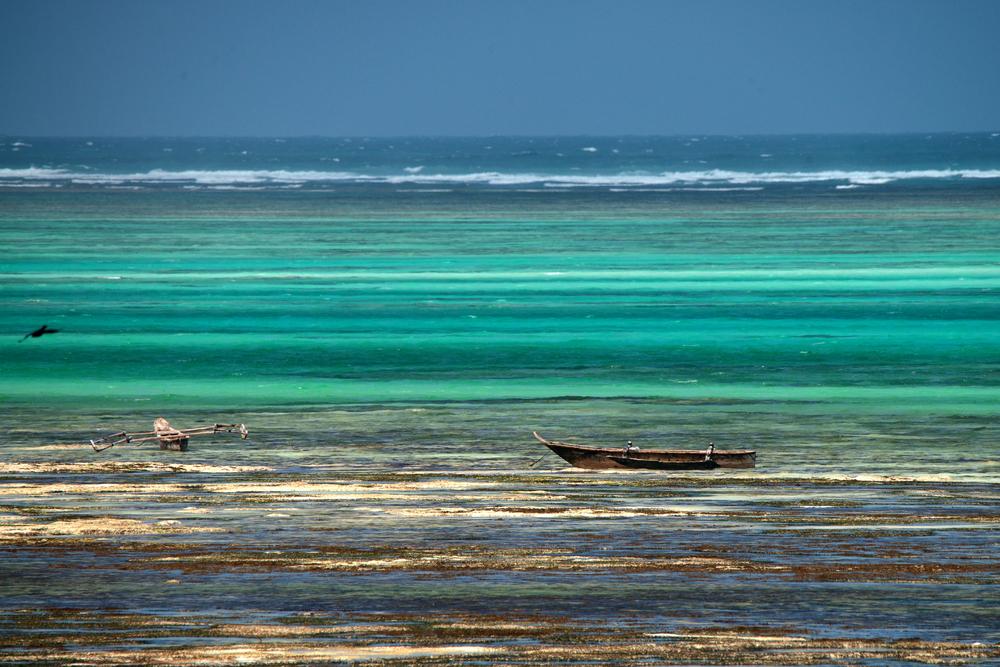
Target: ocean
{"x":392,"y":318}
{"x":831,"y":301}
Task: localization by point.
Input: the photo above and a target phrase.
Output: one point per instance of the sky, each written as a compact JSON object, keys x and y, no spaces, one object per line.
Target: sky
{"x":281,"y":68}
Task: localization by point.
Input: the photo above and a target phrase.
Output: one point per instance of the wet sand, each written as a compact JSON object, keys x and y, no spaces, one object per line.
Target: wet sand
{"x":167,"y":562}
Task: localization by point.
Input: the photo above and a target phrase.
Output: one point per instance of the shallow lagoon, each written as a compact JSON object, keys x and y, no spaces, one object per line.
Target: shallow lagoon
{"x":391,"y":364}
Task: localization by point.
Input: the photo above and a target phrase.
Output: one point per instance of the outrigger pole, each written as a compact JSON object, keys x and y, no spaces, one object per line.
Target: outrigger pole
{"x":170,"y":438}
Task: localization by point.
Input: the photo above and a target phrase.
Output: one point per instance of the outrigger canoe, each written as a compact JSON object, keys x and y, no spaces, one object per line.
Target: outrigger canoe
{"x":612,"y":458}
{"x":168,"y":436}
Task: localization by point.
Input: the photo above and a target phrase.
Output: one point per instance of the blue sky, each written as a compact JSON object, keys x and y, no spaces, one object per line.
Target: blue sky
{"x":471,"y":67}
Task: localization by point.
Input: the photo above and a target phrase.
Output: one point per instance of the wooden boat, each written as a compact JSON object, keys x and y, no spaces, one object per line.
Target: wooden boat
{"x":168,"y":436}
{"x":617,"y":458}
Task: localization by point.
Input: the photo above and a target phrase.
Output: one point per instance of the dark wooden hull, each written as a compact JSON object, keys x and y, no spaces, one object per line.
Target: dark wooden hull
{"x":175,"y":444}
{"x":616,"y":458}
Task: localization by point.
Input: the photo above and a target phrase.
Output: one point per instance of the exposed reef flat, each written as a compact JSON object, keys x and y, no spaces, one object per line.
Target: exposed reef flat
{"x":148,"y":563}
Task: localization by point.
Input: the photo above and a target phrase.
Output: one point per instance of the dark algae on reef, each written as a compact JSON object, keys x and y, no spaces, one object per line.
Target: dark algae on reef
{"x":194,"y":563}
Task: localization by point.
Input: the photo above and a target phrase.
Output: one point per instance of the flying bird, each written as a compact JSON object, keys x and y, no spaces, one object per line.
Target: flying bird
{"x":38,"y":333}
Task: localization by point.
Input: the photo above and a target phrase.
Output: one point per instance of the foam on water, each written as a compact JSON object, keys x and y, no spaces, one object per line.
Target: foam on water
{"x":501,"y":162}
{"x":413,"y":176}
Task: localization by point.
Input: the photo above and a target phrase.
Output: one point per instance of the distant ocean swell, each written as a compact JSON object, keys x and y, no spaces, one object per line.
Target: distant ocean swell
{"x":53,"y":177}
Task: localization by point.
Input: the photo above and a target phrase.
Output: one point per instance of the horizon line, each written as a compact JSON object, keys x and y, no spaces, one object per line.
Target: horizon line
{"x":4,"y":136}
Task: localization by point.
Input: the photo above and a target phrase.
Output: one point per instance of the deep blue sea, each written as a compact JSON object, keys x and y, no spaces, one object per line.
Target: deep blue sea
{"x":832,"y":302}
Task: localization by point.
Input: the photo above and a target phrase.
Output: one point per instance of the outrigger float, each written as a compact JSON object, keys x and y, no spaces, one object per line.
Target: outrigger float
{"x":169,"y":437}
{"x":629,"y":457}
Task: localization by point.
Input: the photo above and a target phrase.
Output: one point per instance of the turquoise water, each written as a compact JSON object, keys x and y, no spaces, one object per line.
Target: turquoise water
{"x":840,"y":299}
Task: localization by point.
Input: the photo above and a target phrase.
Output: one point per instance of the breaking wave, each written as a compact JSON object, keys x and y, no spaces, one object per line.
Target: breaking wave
{"x":715,"y":178}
